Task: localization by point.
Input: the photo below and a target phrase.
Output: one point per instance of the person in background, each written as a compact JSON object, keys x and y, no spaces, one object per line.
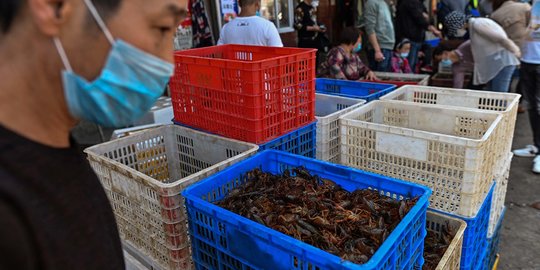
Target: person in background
{"x":461,"y":61}
{"x":104,"y":61}
{"x":343,"y":62}
{"x":453,"y":24}
{"x":305,"y":23}
{"x":514,"y":17}
{"x":412,"y":21}
{"x":400,"y":62}
{"x":380,"y":32}
{"x":530,"y":87}
{"x":495,"y":55}
{"x":249,"y":28}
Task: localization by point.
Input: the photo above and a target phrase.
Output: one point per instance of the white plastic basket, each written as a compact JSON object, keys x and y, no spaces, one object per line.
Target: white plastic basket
{"x":504,"y":103}
{"x":447,"y":149}
{"x":143,"y":175}
{"x":437,"y":223}
{"x":419,"y":79}
{"x":328,"y":109}
{"x":497,"y":203}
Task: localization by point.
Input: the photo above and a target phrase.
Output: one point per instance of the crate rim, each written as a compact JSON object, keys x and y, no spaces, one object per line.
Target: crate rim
{"x":383,"y":85}
{"x":298,"y":51}
{"x":460,"y":233}
{"x":465,"y":92}
{"x":424,"y":199}
{"x":359,"y":102}
{"x":493,"y":126}
{"x":153,"y":182}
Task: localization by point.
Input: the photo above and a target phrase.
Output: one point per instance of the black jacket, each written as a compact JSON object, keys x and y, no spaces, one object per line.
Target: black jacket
{"x":410,"y":23}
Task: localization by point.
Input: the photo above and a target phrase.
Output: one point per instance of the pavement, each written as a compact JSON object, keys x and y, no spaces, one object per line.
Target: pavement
{"x":520,"y":232}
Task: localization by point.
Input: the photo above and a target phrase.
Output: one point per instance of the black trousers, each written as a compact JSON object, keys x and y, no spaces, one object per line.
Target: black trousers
{"x":530,"y":88}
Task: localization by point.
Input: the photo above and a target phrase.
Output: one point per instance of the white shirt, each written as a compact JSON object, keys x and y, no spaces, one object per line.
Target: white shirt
{"x":253,"y":30}
{"x":492,"y":49}
{"x":531,"y":44}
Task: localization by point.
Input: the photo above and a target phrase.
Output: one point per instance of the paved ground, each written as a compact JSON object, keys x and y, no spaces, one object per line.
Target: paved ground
{"x":520,"y":235}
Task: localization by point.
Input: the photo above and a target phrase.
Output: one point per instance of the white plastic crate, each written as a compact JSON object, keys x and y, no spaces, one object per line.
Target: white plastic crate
{"x":419,"y":79}
{"x":497,"y":204}
{"x":143,"y":175}
{"x":160,"y":113}
{"x":447,"y":149}
{"x":504,"y":103}
{"x":437,"y":223}
{"x":328,"y":109}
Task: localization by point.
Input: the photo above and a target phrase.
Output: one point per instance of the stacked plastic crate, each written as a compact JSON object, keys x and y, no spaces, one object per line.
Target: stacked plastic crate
{"x":224,"y":240}
{"x":503,"y":104}
{"x":143,"y":175}
{"x":254,"y":94}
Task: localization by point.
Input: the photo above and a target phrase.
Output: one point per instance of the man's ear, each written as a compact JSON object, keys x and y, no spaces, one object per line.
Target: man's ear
{"x":49,"y":15}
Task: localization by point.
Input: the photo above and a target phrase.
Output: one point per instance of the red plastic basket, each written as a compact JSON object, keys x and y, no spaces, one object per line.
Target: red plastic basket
{"x":249,"y":93}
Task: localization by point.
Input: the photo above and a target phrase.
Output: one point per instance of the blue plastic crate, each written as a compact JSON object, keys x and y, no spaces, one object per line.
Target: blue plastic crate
{"x":475,"y":236}
{"x":352,"y":89}
{"x":433,"y":42}
{"x":300,"y":142}
{"x":224,"y":240}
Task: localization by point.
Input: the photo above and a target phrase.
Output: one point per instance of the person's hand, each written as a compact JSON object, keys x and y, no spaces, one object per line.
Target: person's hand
{"x":370,"y":76}
{"x":316,"y":28}
{"x":379,"y":56}
{"x":518,"y":54}
{"x":437,"y":33}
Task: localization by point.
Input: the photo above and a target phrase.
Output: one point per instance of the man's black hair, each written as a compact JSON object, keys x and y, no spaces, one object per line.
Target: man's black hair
{"x":349,"y":36}
{"x":10,"y":9}
{"x":439,"y":50}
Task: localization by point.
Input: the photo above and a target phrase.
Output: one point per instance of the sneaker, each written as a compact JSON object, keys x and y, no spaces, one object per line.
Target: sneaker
{"x":528,"y":151}
{"x":536,"y":165}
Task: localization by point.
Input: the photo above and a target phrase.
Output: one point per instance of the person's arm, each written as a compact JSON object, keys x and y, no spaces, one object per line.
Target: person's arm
{"x":394,"y":65}
{"x":303,"y":22}
{"x":417,"y":14}
{"x":272,"y":36}
{"x":406,"y":66}
{"x":364,"y":70}
{"x":16,"y":247}
{"x":458,"y":77}
{"x":494,"y":34}
{"x":221,"y":40}
{"x":370,"y":19}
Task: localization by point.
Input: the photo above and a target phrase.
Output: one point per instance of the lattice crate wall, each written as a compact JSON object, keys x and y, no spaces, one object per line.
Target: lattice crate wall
{"x":504,"y":103}
{"x":437,"y":223}
{"x":328,"y":108}
{"x":448,"y":149}
{"x":497,"y":206}
{"x":143,"y":175}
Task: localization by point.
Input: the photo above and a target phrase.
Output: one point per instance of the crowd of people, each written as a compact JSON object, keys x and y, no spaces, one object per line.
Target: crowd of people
{"x":493,"y":43}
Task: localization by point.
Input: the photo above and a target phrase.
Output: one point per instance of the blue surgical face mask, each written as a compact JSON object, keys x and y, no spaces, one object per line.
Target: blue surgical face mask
{"x":404,"y":55}
{"x":258,"y":13}
{"x":128,"y":86}
{"x":358,"y":48}
{"x":446,"y":63}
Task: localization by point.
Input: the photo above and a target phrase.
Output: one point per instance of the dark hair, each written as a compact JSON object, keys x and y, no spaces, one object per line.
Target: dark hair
{"x":246,"y":3}
{"x":9,"y":9}
{"x":349,"y":35}
{"x":402,"y":43}
{"x":439,"y":50}
{"x":496,"y":4}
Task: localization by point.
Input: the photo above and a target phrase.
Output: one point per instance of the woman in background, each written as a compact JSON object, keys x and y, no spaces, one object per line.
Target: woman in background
{"x":343,"y":62}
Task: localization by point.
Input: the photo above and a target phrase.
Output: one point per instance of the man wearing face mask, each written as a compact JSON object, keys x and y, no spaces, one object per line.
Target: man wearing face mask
{"x":105,"y":61}
{"x":249,"y":28}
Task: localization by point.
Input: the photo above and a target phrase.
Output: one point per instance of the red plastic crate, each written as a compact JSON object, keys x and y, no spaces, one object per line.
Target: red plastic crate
{"x":250,"y":93}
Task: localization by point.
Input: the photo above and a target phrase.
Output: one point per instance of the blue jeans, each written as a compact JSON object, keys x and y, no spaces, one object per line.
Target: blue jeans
{"x":413,"y":55}
{"x":501,"y":82}
{"x":384,"y":65}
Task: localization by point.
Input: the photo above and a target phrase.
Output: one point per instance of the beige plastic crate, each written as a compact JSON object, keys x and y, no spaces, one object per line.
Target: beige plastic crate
{"x":420,"y":79}
{"x":504,"y":103}
{"x":499,"y":195}
{"x":437,"y":223}
{"x":445,"y":148}
{"x":143,"y":175}
{"x":328,"y":108}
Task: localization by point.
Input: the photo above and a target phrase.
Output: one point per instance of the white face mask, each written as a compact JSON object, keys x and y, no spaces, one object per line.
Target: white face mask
{"x":461,"y":32}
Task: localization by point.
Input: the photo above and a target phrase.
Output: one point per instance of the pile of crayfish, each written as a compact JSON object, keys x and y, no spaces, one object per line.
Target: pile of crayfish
{"x":351,"y":225}
{"x":435,"y":245}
